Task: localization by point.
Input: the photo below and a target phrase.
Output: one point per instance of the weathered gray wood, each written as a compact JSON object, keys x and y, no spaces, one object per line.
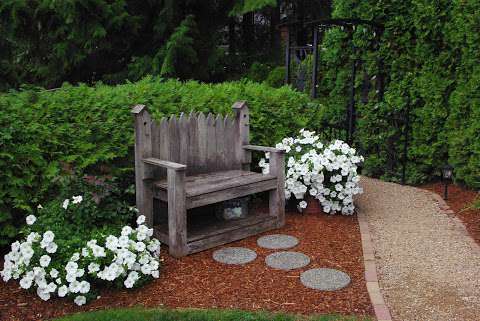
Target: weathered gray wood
{"x":230,"y":236}
{"x":183,"y":140}
{"x":263,"y":149}
{"x":206,"y":178}
{"x":177,"y":213}
{"x":214,"y":152}
{"x":225,"y":183}
{"x":160,"y":235}
{"x":164,"y":149}
{"x":230,"y":157}
{"x":164,"y":164}
{"x":143,"y":149}
{"x":208,"y":189}
{"x":211,"y":144}
{"x":193,"y":152}
{"x":242,"y":135}
{"x":156,"y":143}
{"x":277,"y":196}
{"x":174,"y":140}
{"x":231,"y":193}
{"x":220,"y":227}
{"x":202,"y":143}
{"x":220,"y":140}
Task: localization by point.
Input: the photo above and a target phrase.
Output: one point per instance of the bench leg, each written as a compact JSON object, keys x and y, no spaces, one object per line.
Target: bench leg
{"x":177,"y":213}
{"x":277,"y":196}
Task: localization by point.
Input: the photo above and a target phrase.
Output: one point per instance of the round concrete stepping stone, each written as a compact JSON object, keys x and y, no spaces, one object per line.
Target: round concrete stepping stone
{"x":325,"y":279}
{"x":287,"y":260}
{"x":277,"y":241}
{"x":234,"y":255}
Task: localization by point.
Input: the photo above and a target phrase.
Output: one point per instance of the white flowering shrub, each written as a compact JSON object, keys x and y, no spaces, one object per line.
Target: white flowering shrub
{"x":57,"y":257}
{"x":326,"y":172}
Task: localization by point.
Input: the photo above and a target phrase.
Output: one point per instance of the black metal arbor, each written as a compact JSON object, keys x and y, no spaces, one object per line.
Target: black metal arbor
{"x":349,"y":25}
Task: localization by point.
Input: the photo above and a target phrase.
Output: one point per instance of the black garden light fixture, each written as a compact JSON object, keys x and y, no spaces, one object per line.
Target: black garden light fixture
{"x":447,"y":174}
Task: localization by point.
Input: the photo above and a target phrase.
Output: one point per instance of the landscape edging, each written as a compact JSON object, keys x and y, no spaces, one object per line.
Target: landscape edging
{"x":382,"y":313}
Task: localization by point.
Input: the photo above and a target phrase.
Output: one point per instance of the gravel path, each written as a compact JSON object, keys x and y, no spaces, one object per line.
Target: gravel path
{"x":428,"y":269}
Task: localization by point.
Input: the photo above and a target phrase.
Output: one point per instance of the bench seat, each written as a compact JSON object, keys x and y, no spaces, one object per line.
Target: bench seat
{"x":214,"y":187}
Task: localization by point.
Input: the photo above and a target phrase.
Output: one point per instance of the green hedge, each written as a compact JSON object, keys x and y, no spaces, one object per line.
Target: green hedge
{"x":431,"y":54}
{"x":89,"y":129}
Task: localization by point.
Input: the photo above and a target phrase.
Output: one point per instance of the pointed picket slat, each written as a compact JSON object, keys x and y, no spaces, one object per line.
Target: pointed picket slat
{"x":231,"y":160}
{"x":183,"y":139}
{"x":162,"y":141}
{"x":156,"y":143}
{"x":220,"y":140}
{"x":211,"y":144}
{"x":156,"y":139}
{"x":192,"y":157}
{"x":173,"y":138}
{"x":202,"y":143}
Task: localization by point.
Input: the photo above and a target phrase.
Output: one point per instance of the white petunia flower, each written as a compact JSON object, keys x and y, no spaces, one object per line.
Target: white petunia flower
{"x":126,"y":230}
{"x":128,"y":283}
{"x":30,"y":219}
{"x":93,"y":267}
{"x":77,"y":199}
{"x":62,"y":291}
{"x":71,"y":267}
{"x":48,"y":237}
{"x":80,"y":300}
{"x":44,"y":295}
{"x":140,"y":246}
{"x":65,"y":203}
{"x":54,"y":273}
{"x":45,"y":260}
{"x":75,"y":257}
{"x":33,"y":237}
{"x":84,"y":287}
{"x":26,"y":283}
{"x":140,"y":219}
{"x":51,"y":247}
{"x":303,"y":204}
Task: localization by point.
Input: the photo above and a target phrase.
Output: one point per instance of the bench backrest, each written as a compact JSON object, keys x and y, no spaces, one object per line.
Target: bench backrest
{"x":205,"y":143}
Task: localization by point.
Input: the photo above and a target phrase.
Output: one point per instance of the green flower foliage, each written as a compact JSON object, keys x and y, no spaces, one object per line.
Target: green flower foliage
{"x":90,"y":130}
{"x":430,"y":51}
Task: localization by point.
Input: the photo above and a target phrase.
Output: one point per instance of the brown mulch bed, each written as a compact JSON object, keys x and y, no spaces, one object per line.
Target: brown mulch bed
{"x":460,"y":199}
{"x":198,"y":281}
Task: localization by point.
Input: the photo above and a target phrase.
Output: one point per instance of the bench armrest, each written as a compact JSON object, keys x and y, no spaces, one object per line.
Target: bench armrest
{"x":164,"y":164}
{"x":264,"y":149}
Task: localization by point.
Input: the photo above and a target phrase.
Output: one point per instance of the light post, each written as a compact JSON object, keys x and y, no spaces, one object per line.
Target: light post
{"x":447,"y":173}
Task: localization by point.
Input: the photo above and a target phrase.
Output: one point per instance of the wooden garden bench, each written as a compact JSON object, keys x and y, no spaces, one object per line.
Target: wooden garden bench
{"x":194,"y":161}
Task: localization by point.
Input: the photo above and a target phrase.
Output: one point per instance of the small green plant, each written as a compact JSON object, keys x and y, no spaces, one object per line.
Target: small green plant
{"x":276,"y":77}
{"x":258,"y":72}
{"x":476,"y":203}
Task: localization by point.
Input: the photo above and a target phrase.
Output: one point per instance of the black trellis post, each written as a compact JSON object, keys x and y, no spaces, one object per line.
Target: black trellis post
{"x":351,"y":105}
{"x":315,"y":62}
{"x":287,"y":57}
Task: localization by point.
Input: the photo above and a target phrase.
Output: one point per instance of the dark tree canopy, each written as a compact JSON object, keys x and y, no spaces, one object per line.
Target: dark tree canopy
{"x":47,"y":42}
